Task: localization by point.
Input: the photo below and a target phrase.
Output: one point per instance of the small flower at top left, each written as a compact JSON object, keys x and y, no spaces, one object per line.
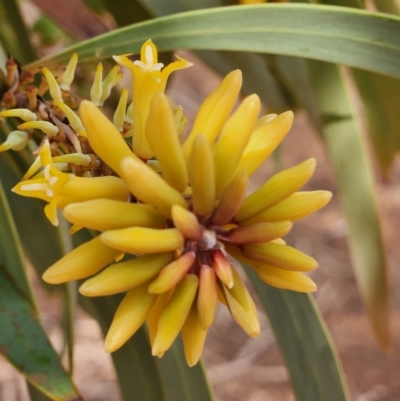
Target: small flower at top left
{"x":60,"y":189}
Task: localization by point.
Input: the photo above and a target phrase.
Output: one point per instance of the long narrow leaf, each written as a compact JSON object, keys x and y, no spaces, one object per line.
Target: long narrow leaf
{"x":357,"y":194}
{"x":305,"y":344}
{"x":182,"y":382}
{"x":25,"y":48}
{"x":346,"y":36}
{"x":25,"y":344}
{"x":10,"y":248}
{"x":256,"y":77}
{"x":380,"y":97}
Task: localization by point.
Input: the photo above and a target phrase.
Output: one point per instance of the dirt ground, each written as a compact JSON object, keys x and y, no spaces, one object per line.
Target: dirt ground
{"x":243,"y":369}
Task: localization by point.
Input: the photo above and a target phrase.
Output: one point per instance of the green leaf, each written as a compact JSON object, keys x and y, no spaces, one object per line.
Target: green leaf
{"x":25,"y":344}
{"x":339,"y":35}
{"x":10,"y":248}
{"x":304,"y":341}
{"x":380,"y":97}
{"x":256,"y":76}
{"x":180,"y":381}
{"x":168,"y":7}
{"x":26,"y":52}
{"x":357,"y":194}
{"x":126,"y":12}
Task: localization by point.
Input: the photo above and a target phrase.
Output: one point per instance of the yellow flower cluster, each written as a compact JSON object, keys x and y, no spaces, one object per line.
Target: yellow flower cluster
{"x":188,"y":218}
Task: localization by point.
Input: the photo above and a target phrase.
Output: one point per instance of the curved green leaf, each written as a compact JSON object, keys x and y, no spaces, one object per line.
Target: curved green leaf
{"x":304,"y":341}
{"x":256,"y":76}
{"x":357,"y":194}
{"x":339,"y":35}
{"x":10,"y":248}
{"x":26,"y":52}
{"x":180,"y":381}
{"x":380,"y":97}
{"x":25,"y":344}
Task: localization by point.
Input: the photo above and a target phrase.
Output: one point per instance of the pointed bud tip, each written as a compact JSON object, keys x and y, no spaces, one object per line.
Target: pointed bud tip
{"x":51,"y":277}
{"x":86,"y":289}
{"x":110,"y":345}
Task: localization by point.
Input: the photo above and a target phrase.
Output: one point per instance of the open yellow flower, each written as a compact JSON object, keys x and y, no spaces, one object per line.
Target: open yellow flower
{"x":199,"y":220}
{"x":59,"y":189}
{"x":148,"y":78}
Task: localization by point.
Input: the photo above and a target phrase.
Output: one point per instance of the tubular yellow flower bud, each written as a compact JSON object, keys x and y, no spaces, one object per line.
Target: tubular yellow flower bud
{"x":45,"y":126}
{"x":241,"y":306}
{"x":97,"y":87}
{"x":201,"y":171}
{"x":207,"y":299}
{"x":82,"y":262}
{"x":274,"y":276}
{"x":69,"y":73}
{"x":109,"y":82}
{"x":233,"y":140}
{"x":156,"y":310}
{"x":123,"y":276}
{"x":78,"y":159}
{"x":222,"y":267}
{"x":149,"y":187}
{"x":187,"y":223}
{"x":297,"y":206}
{"x":163,"y":141}
{"x":267,"y":135}
{"x":23,"y":114}
{"x":119,"y":115}
{"x":171,"y":274}
{"x":231,"y":200}
{"x":175,"y":313}
{"x":282,"y":256}
{"x":265,"y":120}
{"x":143,"y":240}
{"x":276,"y":189}
{"x":214,"y":111}
{"x":130,"y":315}
{"x":16,"y":140}
{"x":55,"y":91}
{"x":107,"y":214}
{"x":103,"y":137}
{"x":259,"y":232}
{"x":193,"y":337}
{"x":73,"y":119}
